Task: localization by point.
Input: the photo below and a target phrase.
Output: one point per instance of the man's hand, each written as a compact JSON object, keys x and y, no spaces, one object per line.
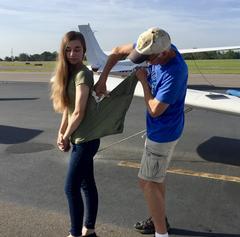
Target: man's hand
{"x":141,"y":74}
{"x":100,"y":88}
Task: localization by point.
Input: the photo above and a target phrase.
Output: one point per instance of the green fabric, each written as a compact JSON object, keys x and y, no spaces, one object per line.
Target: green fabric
{"x":84,"y":76}
{"x":106,"y":117}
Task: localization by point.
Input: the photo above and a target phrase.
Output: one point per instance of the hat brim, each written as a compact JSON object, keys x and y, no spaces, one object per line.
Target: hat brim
{"x":136,"y":57}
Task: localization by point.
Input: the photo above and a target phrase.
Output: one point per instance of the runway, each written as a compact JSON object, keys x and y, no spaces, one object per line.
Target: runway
{"x":203,"y":187}
{"x":218,"y":80}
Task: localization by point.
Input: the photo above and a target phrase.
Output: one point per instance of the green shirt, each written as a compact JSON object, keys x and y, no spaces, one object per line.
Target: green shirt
{"x":106,"y":117}
{"x":83,"y":76}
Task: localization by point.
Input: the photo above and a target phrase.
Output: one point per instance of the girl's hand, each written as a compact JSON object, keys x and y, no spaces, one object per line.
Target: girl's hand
{"x":60,"y":139}
{"x":66,"y":146}
{"x":63,"y":144}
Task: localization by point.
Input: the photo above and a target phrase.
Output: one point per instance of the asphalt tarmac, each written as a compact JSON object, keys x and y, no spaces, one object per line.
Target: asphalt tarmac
{"x":203,"y":181}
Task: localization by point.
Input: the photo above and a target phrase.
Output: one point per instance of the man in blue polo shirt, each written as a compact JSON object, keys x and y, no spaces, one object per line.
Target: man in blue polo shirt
{"x":164,"y":84}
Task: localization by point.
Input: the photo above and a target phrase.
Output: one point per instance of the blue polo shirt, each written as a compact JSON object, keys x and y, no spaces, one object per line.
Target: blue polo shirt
{"x":168,"y":84}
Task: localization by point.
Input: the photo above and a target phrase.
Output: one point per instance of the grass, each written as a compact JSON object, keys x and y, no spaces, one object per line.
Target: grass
{"x":27,"y":66}
{"x":229,"y":66}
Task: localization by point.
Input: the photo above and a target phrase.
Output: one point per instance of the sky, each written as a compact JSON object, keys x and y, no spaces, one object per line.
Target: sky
{"x":35,"y":26}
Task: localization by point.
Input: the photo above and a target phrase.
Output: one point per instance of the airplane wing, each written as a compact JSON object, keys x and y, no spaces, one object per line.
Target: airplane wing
{"x":200,"y":50}
{"x":197,"y":99}
{"x":217,"y":102}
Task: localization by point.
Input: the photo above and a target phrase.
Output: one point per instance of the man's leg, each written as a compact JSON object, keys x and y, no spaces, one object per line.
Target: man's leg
{"x":154,"y":194}
{"x":146,"y":226}
{"x":155,"y":161}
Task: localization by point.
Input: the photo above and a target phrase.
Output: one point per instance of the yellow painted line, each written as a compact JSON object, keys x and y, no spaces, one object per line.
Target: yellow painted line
{"x":187,"y":172}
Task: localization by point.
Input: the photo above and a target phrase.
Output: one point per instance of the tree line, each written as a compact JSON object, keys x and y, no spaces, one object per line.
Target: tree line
{"x":23,"y":57}
{"x":48,"y":56}
{"x":230,"y":54}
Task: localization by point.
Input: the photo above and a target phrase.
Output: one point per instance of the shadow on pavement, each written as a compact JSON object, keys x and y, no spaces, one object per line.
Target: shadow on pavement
{"x":211,"y":87}
{"x":14,"y":99}
{"x":14,"y":135}
{"x":221,"y":150}
{"x":198,"y":233}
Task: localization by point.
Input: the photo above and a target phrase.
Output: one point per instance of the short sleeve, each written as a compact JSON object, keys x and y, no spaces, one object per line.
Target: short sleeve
{"x":84,"y":77}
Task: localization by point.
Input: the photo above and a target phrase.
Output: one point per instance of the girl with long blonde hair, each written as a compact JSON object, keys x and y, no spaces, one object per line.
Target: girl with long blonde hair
{"x":71,"y":87}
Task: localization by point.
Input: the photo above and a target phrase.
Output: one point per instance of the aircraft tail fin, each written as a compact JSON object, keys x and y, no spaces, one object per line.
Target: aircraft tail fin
{"x":95,"y":55}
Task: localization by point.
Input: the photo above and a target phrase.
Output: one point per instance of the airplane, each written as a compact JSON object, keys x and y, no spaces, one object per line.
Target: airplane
{"x":96,"y":57}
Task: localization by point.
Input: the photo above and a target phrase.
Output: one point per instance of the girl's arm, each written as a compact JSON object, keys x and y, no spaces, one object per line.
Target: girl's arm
{"x":62,"y":128}
{"x":82,"y":93}
{"x":64,"y":122}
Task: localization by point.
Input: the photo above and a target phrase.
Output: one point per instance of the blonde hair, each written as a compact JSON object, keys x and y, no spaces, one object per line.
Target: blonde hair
{"x":59,"y":82}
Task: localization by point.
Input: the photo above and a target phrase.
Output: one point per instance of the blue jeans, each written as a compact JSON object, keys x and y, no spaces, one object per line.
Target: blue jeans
{"x":80,"y":177}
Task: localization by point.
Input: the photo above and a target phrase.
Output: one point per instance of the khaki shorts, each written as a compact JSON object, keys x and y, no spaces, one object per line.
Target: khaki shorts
{"x":155,"y":160}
